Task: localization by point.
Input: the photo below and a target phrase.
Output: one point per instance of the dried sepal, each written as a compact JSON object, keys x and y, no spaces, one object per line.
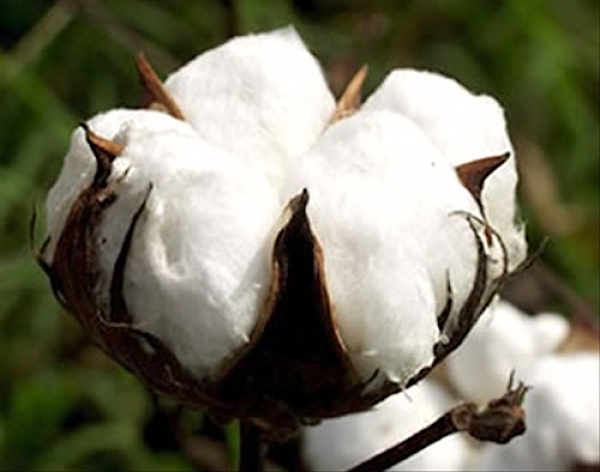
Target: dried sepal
{"x":38,"y":255}
{"x":295,"y":365}
{"x":473,"y":174}
{"x":156,"y":95}
{"x":349,"y":101}
{"x":76,"y":246}
{"x":483,"y":290}
{"x":105,"y":151}
{"x":109,"y":324}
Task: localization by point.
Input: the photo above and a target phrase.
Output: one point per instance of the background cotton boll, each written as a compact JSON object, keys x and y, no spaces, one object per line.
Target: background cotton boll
{"x":465,"y":127}
{"x":340,"y":443}
{"x":260,"y":96}
{"x":381,"y":202}
{"x":198,"y":268}
{"x":503,"y":339}
{"x":562,"y":408}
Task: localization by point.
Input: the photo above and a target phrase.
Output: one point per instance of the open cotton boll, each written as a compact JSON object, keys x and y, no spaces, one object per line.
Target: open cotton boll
{"x":465,"y":127}
{"x":504,"y":339}
{"x":259,"y":96}
{"x":563,"y":418}
{"x":381,"y":204}
{"x":340,"y":443}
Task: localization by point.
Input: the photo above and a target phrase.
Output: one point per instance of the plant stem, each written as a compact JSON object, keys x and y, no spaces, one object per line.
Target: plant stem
{"x":500,"y":421}
{"x":250,"y":445}
{"x":442,"y":427}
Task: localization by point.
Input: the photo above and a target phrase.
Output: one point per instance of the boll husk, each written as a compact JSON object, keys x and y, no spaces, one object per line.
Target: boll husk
{"x":258,"y":251}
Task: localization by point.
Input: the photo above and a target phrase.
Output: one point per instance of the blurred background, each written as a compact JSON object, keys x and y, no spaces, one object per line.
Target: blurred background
{"x":63,"y":404}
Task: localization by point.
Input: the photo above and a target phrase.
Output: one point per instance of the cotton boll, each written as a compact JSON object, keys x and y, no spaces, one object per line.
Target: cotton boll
{"x":381,"y":204}
{"x":465,"y":127}
{"x":338,"y":444}
{"x":259,"y":96}
{"x":503,"y":339}
{"x":563,"y":418}
{"x":171,"y":243}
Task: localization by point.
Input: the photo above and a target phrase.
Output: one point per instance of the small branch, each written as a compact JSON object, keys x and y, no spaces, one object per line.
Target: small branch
{"x":439,"y":429}
{"x":250,"y":445}
{"x":502,"y":420}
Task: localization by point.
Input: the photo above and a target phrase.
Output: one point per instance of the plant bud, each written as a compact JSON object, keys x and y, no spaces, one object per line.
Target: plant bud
{"x":264,"y":254}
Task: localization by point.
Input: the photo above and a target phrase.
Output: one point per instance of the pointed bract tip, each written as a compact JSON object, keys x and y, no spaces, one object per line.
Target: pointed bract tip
{"x":350,"y":100}
{"x":100,"y":145}
{"x":105,"y":151}
{"x":299,"y":202}
{"x":157,"y":96}
{"x":473,"y":174}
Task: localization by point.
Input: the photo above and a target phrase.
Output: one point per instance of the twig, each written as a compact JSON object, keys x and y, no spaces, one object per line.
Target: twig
{"x":499,"y":422}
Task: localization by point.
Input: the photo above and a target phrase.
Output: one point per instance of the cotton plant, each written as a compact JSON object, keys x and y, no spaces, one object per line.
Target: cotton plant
{"x":246,"y":244}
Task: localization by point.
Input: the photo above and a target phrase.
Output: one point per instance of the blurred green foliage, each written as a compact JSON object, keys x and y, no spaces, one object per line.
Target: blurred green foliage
{"x":63,"y":405}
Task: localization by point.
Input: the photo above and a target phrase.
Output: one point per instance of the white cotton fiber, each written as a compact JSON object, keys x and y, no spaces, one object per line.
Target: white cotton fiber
{"x":503,"y":339}
{"x":341,"y":443}
{"x":563,"y":413}
{"x":79,"y":164}
{"x":198,"y":268}
{"x":465,"y":127}
{"x":381,"y":204}
{"x":262,"y":97}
